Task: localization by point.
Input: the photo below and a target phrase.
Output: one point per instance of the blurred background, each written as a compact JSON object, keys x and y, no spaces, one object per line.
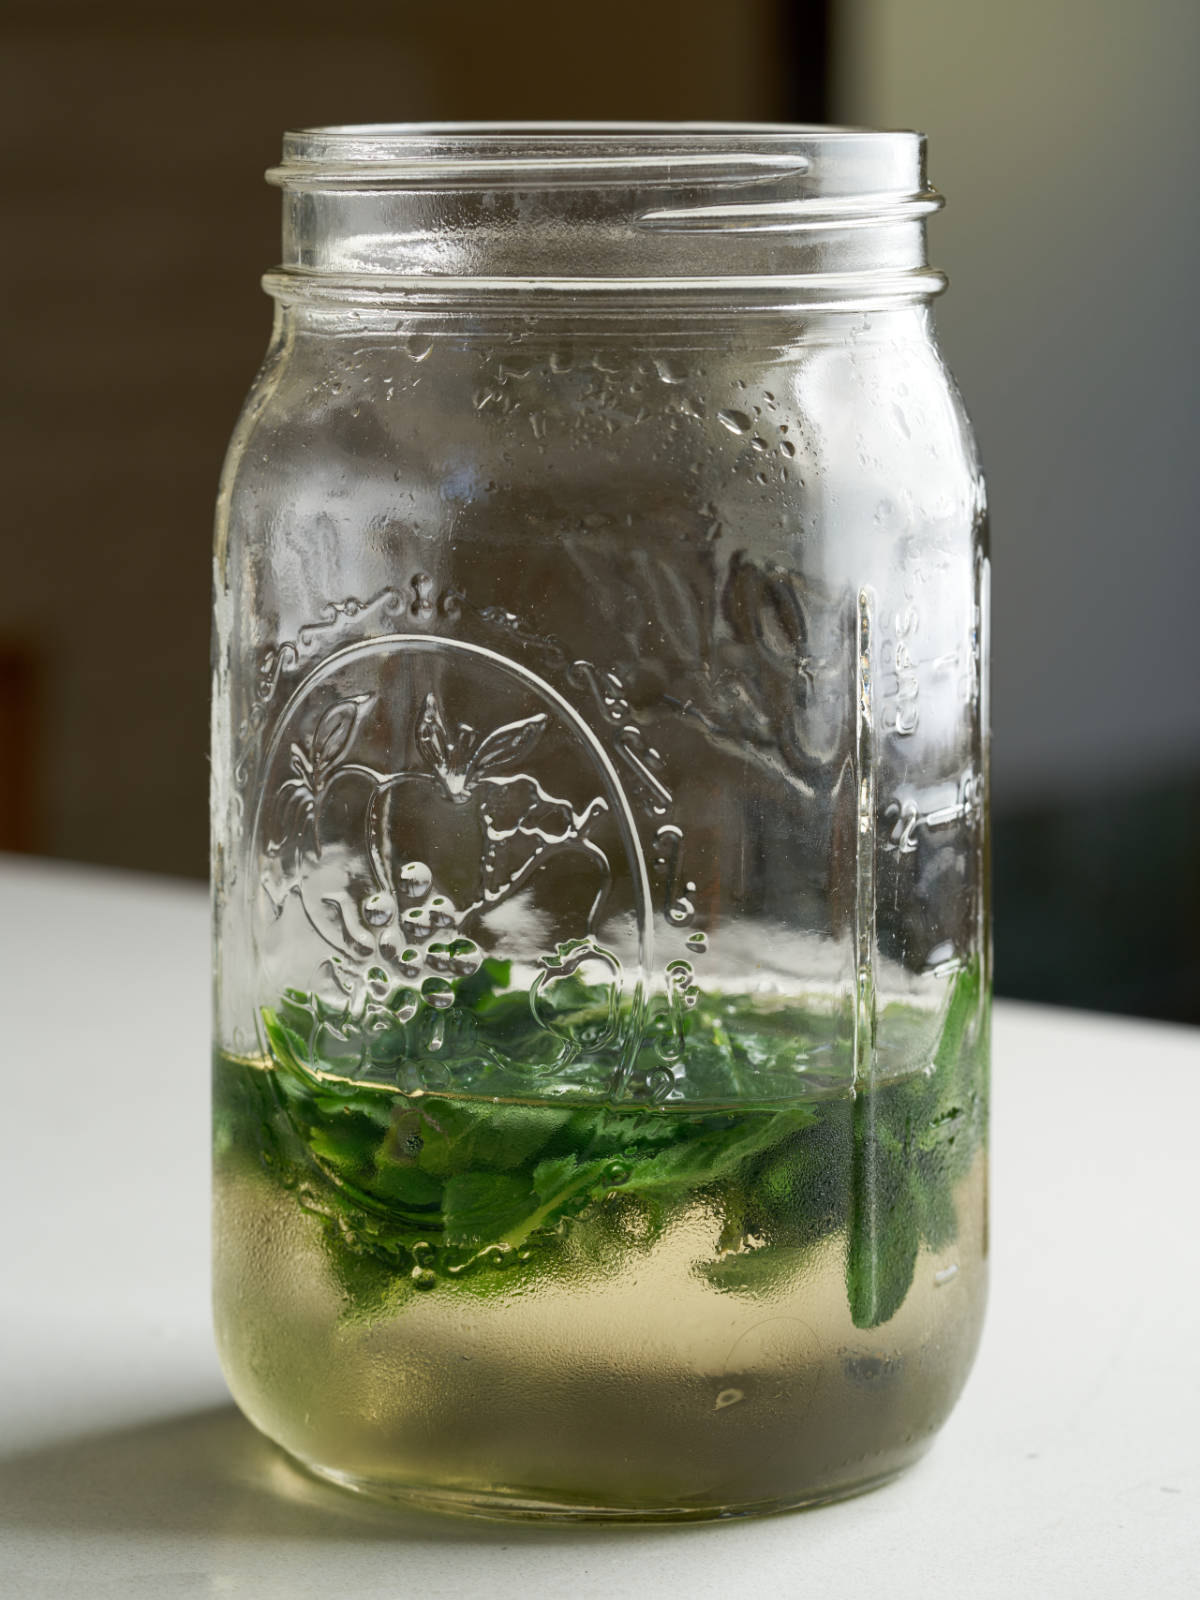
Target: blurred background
{"x":1065,"y":134}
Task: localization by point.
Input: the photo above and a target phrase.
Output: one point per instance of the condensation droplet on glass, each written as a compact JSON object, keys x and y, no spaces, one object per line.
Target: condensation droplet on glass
{"x":418,"y":347}
{"x":735,"y":421}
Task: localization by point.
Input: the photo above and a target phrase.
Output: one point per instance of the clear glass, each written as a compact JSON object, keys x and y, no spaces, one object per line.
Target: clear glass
{"x":599,"y":825}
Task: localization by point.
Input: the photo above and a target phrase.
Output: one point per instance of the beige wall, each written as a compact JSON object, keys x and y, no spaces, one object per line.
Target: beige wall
{"x":1066,"y":136}
{"x":136,"y":223}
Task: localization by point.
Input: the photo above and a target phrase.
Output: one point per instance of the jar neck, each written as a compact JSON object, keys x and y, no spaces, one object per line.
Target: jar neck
{"x":761,"y":215}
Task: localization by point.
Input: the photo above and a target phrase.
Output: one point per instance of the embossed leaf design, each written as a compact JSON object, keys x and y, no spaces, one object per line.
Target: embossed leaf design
{"x":311,"y":769}
{"x":460,"y":759}
{"x":433,"y":741}
{"x":505,"y":745}
{"x":296,"y":798}
{"x":333,"y":735}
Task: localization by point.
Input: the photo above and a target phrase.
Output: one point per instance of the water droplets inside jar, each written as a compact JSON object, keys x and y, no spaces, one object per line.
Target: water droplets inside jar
{"x":670,"y":370}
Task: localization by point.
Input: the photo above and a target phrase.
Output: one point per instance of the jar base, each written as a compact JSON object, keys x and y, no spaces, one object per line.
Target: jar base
{"x":515,"y":1505}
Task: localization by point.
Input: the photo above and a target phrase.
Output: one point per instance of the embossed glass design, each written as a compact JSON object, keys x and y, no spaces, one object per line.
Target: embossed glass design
{"x":599,"y":808}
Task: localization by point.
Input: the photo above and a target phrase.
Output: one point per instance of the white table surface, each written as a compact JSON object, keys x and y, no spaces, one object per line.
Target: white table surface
{"x":1071,"y":1466}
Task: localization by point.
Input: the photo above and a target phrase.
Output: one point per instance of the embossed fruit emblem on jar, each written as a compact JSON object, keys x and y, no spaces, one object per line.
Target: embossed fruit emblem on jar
{"x":399,"y":842}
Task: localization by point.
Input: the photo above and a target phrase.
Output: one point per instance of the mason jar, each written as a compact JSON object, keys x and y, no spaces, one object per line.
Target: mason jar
{"x":599,"y":824}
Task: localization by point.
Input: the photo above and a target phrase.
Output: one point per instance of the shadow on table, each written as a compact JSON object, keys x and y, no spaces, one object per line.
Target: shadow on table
{"x":211,"y":1473}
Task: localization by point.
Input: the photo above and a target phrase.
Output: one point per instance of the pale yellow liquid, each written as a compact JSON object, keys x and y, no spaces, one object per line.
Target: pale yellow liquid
{"x":623,"y":1385}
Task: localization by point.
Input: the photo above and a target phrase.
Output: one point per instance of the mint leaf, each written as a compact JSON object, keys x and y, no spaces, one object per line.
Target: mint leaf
{"x":755,"y":1272}
{"x":480,"y":1207}
{"x":718,"y":1152}
{"x":405,"y":1185}
{"x":884,"y":1237}
{"x":551,"y":1178}
{"x":464,"y":1135}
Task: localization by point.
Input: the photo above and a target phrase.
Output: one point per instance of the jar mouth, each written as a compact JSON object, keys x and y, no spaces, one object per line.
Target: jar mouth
{"x":587,"y":153}
{"x":584,"y":204}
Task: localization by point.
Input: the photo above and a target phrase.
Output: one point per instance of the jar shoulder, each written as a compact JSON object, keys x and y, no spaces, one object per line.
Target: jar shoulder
{"x":443,"y":434}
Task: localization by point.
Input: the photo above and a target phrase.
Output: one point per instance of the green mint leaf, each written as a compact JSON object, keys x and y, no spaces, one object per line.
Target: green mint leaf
{"x":884,"y":1237}
{"x":759,"y":1272}
{"x":465,"y":1135}
{"x":718,"y":1152}
{"x":480,"y":1207}
{"x":553,"y":1176}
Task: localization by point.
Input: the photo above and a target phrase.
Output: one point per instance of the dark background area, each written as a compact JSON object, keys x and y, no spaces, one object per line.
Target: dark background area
{"x":134,"y":142}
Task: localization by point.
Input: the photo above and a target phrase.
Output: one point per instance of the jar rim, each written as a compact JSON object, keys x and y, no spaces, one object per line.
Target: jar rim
{"x":586,"y":152}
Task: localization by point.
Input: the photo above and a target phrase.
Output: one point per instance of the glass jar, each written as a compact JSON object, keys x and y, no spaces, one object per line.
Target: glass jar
{"x":599,"y":810}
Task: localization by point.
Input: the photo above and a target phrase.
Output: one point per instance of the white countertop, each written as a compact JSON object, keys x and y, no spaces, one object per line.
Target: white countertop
{"x":1071,"y":1466}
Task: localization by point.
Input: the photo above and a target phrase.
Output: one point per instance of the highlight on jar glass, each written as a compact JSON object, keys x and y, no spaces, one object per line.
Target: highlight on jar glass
{"x":600,"y":825}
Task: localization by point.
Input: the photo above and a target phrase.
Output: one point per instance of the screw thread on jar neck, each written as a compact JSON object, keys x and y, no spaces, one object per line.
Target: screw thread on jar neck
{"x":833,"y":215}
